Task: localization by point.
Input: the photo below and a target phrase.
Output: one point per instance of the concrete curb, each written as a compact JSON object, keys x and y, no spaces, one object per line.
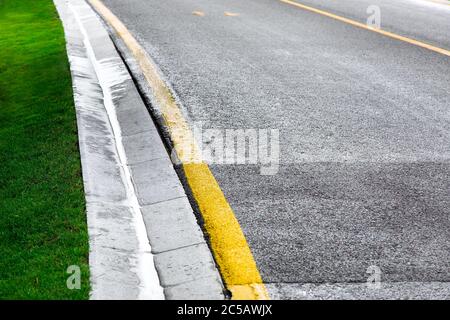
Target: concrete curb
{"x":139,"y":216}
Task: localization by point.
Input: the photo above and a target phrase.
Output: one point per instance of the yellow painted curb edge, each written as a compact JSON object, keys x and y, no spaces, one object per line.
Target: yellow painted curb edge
{"x":228,"y":243}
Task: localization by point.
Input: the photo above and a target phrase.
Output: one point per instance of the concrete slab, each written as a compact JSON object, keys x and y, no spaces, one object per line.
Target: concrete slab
{"x":156,"y":181}
{"x":133,"y":120}
{"x":184,"y":265}
{"x":144,"y":146}
{"x":171,"y":224}
{"x":195,"y":290}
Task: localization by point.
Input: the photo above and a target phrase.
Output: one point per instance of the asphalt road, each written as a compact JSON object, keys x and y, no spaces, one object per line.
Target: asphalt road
{"x":364,"y":124}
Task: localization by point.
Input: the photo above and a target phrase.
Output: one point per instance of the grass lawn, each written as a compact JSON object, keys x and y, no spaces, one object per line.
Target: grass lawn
{"x":42,"y":209}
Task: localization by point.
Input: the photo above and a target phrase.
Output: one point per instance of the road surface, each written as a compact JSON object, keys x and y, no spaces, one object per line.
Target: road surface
{"x":364,"y":124}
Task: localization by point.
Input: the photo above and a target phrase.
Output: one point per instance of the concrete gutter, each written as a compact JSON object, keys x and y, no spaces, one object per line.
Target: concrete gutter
{"x":145,"y":242}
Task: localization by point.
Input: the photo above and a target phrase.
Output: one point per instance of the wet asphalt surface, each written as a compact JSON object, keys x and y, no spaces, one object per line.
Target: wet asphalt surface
{"x":364,"y":126}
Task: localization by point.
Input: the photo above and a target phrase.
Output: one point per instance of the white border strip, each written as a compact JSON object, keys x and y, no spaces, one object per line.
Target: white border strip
{"x":150,"y":287}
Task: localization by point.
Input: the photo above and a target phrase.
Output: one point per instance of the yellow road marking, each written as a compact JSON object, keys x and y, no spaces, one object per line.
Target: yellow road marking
{"x":445,"y":2}
{"x":364,"y":26}
{"x":228,"y":243}
{"x":230,"y":14}
{"x":198,"y":13}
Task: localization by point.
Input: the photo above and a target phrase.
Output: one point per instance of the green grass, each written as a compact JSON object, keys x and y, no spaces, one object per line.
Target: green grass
{"x":42,"y":209}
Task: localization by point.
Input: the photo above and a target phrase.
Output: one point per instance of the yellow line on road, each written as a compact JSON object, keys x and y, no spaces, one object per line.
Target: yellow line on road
{"x":444,"y":2}
{"x":364,"y":26}
{"x":228,"y":243}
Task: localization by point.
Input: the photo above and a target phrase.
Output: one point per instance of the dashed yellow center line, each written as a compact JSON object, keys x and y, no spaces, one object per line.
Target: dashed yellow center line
{"x":229,"y":246}
{"x":198,"y":13}
{"x":364,"y":26}
{"x":230,"y":14}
